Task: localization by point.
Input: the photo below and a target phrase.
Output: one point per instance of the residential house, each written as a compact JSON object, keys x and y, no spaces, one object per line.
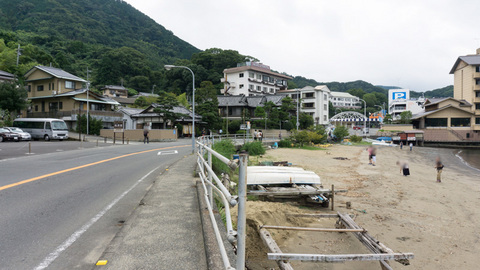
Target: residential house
{"x":252,"y":79}
{"x":241,"y":107}
{"x":313,"y":101}
{"x":147,"y":118}
{"x":114,"y":91}
{"x":56,"y":93}
{"x":6,"y":77}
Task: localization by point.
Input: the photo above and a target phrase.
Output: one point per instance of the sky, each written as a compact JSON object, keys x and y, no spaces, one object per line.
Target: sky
{"x":410,"y":43}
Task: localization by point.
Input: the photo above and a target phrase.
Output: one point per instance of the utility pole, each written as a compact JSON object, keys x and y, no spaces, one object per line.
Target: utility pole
{"x":153,"y":88}
{"x":19,"y":52}
{"x":88,"y":90}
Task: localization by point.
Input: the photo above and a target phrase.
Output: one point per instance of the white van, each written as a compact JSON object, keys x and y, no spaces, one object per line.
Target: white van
{"x":43,"y":128}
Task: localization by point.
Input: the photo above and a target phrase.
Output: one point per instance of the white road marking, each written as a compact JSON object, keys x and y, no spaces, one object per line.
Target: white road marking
{"x":54,"y":255}
{"x":167,"y":152}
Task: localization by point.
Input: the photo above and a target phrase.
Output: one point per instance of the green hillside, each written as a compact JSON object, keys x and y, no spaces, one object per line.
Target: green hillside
{"x":75,"y":34}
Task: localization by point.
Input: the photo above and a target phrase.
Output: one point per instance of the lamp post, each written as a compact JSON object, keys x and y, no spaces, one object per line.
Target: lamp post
{"x":364,"y":117}
{"x":168,"y":67}
{"x":298,"y":123}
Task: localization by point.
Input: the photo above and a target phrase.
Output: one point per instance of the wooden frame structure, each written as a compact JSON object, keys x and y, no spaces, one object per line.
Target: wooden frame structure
{"x":345,"y":223}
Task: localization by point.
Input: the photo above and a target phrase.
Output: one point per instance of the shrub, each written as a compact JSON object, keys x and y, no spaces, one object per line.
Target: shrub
{"x":254,"y":148}
{"x":355,"y":139}
{"x":340,"y":132}
{"x":225,"y":148}
{"x":285,"y":143}
{"x":315,"y":137}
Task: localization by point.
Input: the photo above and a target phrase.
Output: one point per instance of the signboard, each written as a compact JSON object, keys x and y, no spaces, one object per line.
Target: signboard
{"x":243,"y":126}
{"x":394,"y":94}
{"x":118,"y":126}
{"x":411,"y":139}
{"x":396,"y":138}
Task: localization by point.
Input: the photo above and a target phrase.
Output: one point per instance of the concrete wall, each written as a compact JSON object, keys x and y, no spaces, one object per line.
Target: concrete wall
{"x":397,"y":127}
{"x":154,"y":135}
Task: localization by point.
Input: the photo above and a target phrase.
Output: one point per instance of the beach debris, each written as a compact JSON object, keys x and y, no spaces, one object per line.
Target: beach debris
{"x":341,"y":158}
{"x":361,"y":210}
{"x":344,"y":224}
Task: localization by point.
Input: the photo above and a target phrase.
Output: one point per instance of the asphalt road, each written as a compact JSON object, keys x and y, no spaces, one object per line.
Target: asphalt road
{"x":59,"y":210}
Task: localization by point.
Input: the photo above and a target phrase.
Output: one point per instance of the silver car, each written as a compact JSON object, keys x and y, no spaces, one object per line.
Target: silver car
{"x":24,"y":136}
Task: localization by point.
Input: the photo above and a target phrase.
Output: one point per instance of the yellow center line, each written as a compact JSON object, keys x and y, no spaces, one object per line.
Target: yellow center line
{"x":82,"y":166}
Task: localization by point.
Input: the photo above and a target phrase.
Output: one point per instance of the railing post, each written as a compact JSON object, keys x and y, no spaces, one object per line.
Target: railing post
{"x":242,"y":200}
{"x":210,"y":190}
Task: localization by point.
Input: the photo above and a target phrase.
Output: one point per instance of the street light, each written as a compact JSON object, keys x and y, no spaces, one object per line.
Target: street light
{"x":298,"y":123}
{"x":168,"y":67}
{"x":364,"y":117}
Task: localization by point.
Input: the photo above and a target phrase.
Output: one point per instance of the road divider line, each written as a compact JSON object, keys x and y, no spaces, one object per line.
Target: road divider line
{"x":82,"y":166}
{"x":67,"y":243}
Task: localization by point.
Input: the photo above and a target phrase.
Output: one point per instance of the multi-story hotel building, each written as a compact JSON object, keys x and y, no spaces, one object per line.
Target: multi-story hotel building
{"x":344,"y":100}
{"x":251,"y":79}
{"x":313,"y":101}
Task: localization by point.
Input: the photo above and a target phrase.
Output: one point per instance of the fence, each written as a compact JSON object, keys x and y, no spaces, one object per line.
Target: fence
{"x":213,"y":185}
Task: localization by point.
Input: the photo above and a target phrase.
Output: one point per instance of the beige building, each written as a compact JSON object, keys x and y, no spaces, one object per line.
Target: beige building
{"x":466,"y":72}
{"x":55,"y":93}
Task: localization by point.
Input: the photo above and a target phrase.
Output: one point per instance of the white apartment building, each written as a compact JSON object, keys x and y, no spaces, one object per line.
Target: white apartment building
{"x":344,"y":100}
{"x":313,"y":101}
{"x":399,"y":101}
{"x":252,"y":79}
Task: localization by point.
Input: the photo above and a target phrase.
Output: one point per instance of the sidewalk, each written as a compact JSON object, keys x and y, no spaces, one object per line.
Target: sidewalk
{"x":165,"y":232}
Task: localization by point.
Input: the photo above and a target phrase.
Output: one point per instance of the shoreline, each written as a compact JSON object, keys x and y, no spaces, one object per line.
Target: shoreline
{"x":438,"y":222}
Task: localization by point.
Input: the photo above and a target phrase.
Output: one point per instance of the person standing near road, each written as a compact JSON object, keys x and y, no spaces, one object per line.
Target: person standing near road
{"x":145,"y":136}
{"x":439,"y":167}
{"x":411,"y":146}
{"x":401,"y":145}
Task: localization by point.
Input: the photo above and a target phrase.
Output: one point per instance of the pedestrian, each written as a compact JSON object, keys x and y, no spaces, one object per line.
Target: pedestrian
{"x":404,"y":168}
{"x":439,"y":167}
{"x":280,"y":136}
{"x":374,"y":156}
{"x":145,"y":136}
{"x":260,"y":135}
{"x":401,"y":145}
{"x":369,"y":150}
{"x":255,"y":135}
{"x":203,"y":132}
{"x":411,"y":146}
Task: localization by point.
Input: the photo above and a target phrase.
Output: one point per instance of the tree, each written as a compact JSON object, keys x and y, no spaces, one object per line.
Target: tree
{"x":166,"y":102}
{"x":405,"y":117}
{"x":306,"y":120}
{"x":340,"y":132}
{"x":182,"y":100}
{"x":357,"y":92}
{"x":13,"y":98}
{"x":206,"y":104}
{"x":370,"y":99}
{"x":331,"y":109}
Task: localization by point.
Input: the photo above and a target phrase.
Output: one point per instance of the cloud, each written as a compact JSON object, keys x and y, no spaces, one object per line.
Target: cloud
{"x":412,"y":44}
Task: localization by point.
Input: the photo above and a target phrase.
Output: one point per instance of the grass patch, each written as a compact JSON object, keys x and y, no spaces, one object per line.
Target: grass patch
{"x":362,"y":143}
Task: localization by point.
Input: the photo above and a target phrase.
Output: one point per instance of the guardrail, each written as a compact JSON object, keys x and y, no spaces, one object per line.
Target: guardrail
{"x":213,"y":185}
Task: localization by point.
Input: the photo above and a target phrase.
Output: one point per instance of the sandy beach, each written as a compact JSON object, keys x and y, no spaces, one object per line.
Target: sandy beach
{"x":438,"y":222}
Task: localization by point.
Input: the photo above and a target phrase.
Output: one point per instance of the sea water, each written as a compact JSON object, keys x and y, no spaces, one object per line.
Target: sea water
{"x":471,"y":157}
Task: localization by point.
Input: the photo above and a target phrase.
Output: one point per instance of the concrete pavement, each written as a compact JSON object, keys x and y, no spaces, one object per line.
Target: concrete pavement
{"x":165,"y":231}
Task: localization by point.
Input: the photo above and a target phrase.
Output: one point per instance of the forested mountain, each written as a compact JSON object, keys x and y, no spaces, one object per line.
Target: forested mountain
{"x":73,"y":34}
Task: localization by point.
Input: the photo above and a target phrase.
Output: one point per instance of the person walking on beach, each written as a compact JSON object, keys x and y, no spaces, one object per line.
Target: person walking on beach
{"x":411,"y":146}
{"x":439,"y":167}
{"x":374,"y":156}
{"x":145,"y":136}
{"x":401,"y":145}
{"x":255,"y":135}
{"x":369,"y":150}
{"x":404,"y":167}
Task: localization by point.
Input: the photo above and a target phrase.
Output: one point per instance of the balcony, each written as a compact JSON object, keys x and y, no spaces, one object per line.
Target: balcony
{"x":476,"y":87}
{"x":476,"y":75}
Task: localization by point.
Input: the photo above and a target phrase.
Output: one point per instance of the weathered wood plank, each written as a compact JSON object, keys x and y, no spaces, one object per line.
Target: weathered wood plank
{"x":273,"y":247}
{"x":310,"y":229}
{"x":338,"y":257}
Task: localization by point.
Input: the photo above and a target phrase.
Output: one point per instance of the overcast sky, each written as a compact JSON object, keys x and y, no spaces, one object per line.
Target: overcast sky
{"x":411,"y":44}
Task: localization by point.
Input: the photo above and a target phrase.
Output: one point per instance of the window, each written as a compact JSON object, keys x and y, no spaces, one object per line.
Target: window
{"x":436,"y":122}
{"x":272,"y":90}
{"x":334,"y":103}
{"x":477,"y":68}
{"x":53,"y":86}
{"x":69,"y":84}
{"x":477,"y":121}
{"x":324,"y":96}
{"x":460,"y":122}
{"x":259,"y":88}
{"x":477,"y":94}
{"x":251,"y":87}
{"x":251,"y":75}
{"x":259,"y":76}
{"x":325,"y":107}
{"x":240,"y":75}
{"x":324,"y":118}
{"x":265,"y":89}
{"x":29,"y":88}
{"x":60,"y":105}
{"x":308,"y":105}
{"x":309,"y":95}
{"x":36,"y":108}
{"x":477,"y":106}
{"x":39,"y":87}
{"x":240,"y":86}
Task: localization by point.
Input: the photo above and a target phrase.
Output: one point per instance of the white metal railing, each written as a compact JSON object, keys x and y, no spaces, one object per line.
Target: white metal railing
{"x":213,"y":185}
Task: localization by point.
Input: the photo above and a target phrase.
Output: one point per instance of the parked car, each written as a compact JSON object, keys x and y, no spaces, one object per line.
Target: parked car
{"x":24,"y":136}
{"x":357,"y":127}
{"x":7,"y":135}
